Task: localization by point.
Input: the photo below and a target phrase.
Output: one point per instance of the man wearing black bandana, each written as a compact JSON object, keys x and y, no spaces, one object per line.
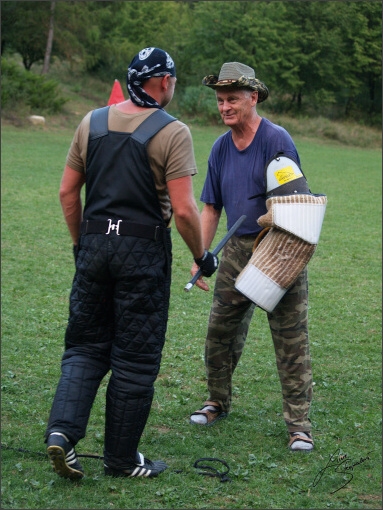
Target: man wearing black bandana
{"x":137,"y":163}
{"x":149,"y":63}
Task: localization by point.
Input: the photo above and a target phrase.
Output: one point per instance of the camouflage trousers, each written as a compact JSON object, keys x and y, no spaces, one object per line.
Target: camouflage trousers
{"x":229,"y":321}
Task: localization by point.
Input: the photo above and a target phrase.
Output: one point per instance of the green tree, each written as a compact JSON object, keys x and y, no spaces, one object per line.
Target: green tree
{"x":319,"y":46}
{"x":143,"y":24}
{"x":362,"y":29}
{"x":337,"y":55}
{"x":103,"y":37}
{"x":71,"y":24}
{"x":24,"y":29}
{"x":255,"y":33}
{"x":313,"y":56}
{"x":48,"y":49}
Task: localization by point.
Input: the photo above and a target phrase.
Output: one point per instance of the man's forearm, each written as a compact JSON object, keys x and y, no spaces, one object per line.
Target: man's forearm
{"x":189,"y":228}
{"x":209,"y":221}
{"x":70,"y":199}
{"x":73,"y":218}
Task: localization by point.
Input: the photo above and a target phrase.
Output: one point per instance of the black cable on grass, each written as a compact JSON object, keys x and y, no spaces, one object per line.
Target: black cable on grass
{"x":23,"y":450}
{"x":212,"y":471}
{"x":209,"y":470}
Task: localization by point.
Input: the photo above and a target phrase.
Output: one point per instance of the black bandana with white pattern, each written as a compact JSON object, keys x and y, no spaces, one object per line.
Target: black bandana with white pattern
{"x":148,"y":63}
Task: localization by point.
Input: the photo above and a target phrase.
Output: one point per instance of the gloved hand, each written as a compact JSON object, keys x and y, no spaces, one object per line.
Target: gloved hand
{"x":75,"y":252}
{"x":208,"y":263}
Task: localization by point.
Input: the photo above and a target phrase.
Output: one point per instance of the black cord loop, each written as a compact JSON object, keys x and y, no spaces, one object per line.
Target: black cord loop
{"x":213,"y":471}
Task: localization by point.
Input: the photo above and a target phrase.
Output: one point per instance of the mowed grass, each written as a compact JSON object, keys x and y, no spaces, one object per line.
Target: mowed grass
{"x":345,"y":333}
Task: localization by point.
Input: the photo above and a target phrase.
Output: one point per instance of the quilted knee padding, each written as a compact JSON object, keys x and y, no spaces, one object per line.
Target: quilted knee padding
{"x":75,"y":394}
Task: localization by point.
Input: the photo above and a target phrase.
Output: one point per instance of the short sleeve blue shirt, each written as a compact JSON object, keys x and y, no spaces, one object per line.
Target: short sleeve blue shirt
{"x":234,"y":175}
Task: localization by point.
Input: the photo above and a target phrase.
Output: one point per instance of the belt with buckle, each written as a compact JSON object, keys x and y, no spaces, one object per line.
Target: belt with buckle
{"x":121,"y":228}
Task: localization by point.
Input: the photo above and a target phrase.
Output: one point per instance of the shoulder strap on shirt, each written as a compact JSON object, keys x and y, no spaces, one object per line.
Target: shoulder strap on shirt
{"x":99,"y":123}
{"x":151,"y":125}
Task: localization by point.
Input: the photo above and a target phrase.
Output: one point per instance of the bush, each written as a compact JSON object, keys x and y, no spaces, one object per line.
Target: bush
{"x":200,"y":103}
{"x":22,"y":88}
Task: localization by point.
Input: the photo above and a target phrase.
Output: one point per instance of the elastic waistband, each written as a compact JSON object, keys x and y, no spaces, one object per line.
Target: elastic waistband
{"x":122,"y":228}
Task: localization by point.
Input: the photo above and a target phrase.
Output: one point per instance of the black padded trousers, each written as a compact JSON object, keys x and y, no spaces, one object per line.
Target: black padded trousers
{"x":118,"y":316}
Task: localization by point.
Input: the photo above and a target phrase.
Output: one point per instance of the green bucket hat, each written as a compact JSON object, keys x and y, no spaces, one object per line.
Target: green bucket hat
{"x":235,"y":74}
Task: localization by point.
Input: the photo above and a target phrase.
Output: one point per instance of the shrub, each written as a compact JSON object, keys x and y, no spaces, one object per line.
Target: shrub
{"x":20,"y":87}
{"x":200,"y":103}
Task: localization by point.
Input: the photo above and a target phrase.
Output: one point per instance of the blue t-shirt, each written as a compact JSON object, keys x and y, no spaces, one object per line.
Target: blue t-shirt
{"x":234,"y":176}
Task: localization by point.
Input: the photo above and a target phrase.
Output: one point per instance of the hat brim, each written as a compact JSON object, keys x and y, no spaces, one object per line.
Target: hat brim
{"x":212,"y":82}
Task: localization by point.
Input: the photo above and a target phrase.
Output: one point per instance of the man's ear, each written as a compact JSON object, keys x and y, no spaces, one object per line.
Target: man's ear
{"x":165,"y":81}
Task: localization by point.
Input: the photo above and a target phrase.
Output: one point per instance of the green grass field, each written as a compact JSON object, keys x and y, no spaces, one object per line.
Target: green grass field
{"x":345,"y":332}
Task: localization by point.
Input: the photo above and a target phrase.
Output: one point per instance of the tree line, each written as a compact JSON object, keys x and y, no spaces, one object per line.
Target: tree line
{"x":320,"y":57}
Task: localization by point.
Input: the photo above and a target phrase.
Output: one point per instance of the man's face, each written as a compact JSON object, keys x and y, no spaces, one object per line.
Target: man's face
{"x":236,"y":105}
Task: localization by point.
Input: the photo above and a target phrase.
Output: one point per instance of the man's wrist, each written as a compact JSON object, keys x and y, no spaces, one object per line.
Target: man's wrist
{"x":199,"y":261}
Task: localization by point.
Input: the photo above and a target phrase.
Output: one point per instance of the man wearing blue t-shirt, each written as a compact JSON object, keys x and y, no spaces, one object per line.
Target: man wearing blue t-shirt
{"x":235,"y":182}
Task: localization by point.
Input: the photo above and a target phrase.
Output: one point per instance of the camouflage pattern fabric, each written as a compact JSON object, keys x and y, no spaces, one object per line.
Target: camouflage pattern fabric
{"x":229,"y":321}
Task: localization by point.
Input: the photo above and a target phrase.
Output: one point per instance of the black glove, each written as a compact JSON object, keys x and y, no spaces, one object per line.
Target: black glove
{"x":208,"y":263}
{"x":75,"y":252}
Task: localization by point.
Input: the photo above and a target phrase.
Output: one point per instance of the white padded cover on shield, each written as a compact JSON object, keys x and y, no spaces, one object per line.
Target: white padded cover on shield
{"x":259,"y":288}
{"x":303,"y":220}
